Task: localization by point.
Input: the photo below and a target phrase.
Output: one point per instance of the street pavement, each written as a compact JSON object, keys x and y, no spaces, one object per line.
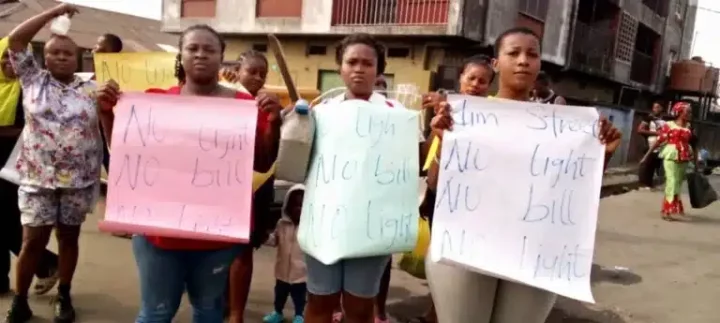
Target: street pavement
{"x":672,"y":274}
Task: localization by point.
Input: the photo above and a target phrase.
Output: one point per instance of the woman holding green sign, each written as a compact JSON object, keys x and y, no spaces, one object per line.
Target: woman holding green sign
{"x":462,"y":296}
{"x":354,"y":282}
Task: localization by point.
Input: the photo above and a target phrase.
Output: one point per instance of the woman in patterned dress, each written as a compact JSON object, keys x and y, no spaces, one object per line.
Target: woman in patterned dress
{"x":676,"y":153}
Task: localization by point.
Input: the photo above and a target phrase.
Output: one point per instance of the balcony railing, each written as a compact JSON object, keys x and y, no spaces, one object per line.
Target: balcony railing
{"x":642,"y":68}
{"x":390,"y":12}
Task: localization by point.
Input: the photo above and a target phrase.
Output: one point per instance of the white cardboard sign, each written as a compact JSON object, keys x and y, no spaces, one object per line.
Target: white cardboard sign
{"x":518,"y":193}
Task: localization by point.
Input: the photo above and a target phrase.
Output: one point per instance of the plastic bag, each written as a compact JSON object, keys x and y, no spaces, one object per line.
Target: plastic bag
{"x":701,"y":192}
{"x":414,"y":262}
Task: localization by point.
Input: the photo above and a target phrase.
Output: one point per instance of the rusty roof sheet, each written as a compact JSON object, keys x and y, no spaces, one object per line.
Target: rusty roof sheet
{"x":138,"y":34}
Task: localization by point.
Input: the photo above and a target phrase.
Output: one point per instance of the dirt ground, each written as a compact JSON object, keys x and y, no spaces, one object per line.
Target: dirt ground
{"x":673,"y":272}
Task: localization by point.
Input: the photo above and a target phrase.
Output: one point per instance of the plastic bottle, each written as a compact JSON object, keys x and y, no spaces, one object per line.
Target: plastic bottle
{"x":296,"y":140}
{"x":60,"y":25}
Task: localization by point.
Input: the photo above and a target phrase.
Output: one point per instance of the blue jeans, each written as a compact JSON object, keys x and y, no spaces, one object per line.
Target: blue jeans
{"x":166,"y":274}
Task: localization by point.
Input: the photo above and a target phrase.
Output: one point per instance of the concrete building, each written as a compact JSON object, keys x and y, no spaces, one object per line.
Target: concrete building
{"x":609,"y":51}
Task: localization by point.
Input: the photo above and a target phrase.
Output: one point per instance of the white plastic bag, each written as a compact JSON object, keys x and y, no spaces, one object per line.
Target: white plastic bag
{"x":9,"y":171}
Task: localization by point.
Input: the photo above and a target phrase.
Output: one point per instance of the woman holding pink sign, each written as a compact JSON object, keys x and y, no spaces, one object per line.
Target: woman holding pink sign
{"x":461,"y":295}
{"x":170,"y":266}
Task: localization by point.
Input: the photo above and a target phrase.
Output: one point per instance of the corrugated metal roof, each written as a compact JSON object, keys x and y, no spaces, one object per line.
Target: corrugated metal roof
{"x":138,"y":34}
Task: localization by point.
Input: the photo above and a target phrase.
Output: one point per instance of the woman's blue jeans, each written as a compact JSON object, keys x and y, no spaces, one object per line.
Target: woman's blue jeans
{"x":166,"y":274}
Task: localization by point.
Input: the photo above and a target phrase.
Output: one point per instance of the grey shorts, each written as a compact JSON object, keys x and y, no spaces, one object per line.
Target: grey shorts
{"x":359,"y":277}
{"x":48,"y":207}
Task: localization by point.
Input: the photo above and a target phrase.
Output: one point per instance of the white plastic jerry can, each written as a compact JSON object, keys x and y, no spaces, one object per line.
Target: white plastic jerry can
{"x":61,"y":25}
{"x":296,"y":140}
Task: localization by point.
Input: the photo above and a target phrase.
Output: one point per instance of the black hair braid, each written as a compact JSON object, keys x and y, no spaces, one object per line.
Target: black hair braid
{"x":365,"y":39}
{"x":179,"y":70}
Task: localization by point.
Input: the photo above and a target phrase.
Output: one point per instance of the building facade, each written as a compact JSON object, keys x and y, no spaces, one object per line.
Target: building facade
{"x":609,"y":51}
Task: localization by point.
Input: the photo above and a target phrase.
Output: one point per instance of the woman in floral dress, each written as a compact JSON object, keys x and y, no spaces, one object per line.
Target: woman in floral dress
{"x":676,"y":152}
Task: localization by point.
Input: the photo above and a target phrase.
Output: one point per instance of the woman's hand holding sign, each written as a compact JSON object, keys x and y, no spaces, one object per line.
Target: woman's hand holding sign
{"x":270,"y":104}
{"x":107,"y":96}
{"x":609,"y":135}
{"x":442,"y":120}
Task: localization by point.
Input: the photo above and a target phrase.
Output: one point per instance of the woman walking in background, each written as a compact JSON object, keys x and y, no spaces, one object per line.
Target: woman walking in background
{"x":674,"y":141}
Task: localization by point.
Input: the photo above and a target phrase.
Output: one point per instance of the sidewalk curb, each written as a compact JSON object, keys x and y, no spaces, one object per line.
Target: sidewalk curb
{"x":619,"y":188}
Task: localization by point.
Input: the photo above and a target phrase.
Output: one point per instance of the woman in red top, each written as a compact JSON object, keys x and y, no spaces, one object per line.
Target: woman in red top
{"x":675,"y":143}
{"x":168,"y":266}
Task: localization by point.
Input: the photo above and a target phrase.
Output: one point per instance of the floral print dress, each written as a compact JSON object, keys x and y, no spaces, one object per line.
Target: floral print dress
{"x":61,"y":155}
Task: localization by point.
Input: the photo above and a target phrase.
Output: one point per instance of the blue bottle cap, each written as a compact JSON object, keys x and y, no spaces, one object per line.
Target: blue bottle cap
{"x":302,"y":107}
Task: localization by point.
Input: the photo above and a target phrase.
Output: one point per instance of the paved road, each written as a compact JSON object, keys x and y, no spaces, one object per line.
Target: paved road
{"x":674,"y":272}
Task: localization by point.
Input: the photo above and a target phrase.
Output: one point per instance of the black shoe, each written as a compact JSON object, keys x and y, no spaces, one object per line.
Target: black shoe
{"x":19,"y":311}
{"x":64,"y":310}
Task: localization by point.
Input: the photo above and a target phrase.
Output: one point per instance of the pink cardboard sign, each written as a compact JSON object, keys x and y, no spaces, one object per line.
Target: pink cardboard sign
{"x":181,"y":167}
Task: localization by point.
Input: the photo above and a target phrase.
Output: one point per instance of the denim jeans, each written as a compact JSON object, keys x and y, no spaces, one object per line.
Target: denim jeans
{"x":166,"y":274}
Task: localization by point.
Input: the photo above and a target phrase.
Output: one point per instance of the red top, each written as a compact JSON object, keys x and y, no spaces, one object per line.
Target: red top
{"x":679,"y":137}
{"x":188,"y":244}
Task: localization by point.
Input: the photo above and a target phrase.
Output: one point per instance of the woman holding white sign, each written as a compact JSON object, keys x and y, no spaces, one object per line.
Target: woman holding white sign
{"x":169,"y":266}
{"x":463,"y":296}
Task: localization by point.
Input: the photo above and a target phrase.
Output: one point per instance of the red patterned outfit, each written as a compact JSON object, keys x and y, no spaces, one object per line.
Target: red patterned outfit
{"x":676,"y":153}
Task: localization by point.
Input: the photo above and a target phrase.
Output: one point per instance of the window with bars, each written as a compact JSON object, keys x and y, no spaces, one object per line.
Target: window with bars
{"x":626,"y":38}
{"x":535,"y":8}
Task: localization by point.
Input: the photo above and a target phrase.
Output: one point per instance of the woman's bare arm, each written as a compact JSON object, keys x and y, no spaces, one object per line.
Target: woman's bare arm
{"x":22,"y":35}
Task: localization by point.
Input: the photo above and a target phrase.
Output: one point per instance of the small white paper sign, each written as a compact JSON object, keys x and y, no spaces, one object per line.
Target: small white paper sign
{"x":518,"y":193}
{"x":9,"y":171}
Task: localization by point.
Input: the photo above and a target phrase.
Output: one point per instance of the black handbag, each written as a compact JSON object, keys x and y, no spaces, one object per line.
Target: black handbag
{"x":701,"y":192}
